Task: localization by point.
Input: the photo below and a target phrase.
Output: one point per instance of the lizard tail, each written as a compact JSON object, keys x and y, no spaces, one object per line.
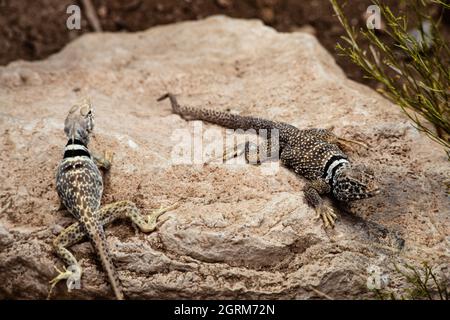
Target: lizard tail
{"x":224,"y":119}
{"x":98,"y":238}
{"x":176,"y":108}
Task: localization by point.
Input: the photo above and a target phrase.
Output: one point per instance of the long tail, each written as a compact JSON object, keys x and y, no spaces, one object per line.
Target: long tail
{"x":98,"y":238}
{"x":224,"y":119}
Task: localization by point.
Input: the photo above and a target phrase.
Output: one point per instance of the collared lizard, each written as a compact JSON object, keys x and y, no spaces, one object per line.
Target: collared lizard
{"x":312,"y":153}
{"x":79,"y":185}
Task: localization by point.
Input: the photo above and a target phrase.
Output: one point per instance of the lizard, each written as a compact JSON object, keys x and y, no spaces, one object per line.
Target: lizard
{"x":315,"y":154}
{"x":79,"y":184}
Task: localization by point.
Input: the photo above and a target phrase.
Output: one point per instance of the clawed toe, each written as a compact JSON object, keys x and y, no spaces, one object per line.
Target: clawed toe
{"x":104,"y":161}
{"x":71,"y":274}
{"x":61,"y":276}
{"x":107,"y":159}
{"x":328,"y":216}
{"x":152,"y":219}
{"x":163,"y":210}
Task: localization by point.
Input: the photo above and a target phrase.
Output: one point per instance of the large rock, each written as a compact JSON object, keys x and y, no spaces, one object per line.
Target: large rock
{"x":240,"y":232}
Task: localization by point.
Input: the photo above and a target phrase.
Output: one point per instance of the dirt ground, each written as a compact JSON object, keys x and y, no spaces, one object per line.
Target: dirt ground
{"x":33,"y":30}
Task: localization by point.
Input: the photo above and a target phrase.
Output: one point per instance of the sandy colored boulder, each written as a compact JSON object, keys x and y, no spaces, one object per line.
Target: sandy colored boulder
{"x":238,"y":232}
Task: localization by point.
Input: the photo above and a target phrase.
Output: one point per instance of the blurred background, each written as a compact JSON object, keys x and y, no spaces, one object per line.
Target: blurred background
{"x":34,"y":29}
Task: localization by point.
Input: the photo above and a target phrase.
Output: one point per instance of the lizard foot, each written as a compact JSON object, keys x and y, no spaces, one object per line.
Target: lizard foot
{"x":105,"y":160}
{"x":249,"y":149}
{"x":327,"y":214}
{"x":152,"y":219}
{"x":229,"y":154}
{"x":108,"y":157}
{"x":72,"y":274}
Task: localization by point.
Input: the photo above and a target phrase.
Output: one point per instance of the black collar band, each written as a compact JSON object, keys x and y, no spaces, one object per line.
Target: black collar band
{"x":76,"y":153}
{"x":329,"y":163}
{"x":333,"y":173}
{"x":75,"y":141}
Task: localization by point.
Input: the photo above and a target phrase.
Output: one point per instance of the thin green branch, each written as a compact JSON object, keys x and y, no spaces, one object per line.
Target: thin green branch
{"x":421,"y":81}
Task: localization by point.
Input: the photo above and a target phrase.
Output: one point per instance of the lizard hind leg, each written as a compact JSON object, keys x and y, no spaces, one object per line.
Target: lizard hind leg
{"x":330,"y":137}
{"x":346,"y":143}
{"x":127,"y":209}
{"x":231,"y":153}
{"x":254,"y":154}
{"x":75,"y":233}
{"x":249,"y":149}
{"x":72,"y":273}
{"x":152,"y":219}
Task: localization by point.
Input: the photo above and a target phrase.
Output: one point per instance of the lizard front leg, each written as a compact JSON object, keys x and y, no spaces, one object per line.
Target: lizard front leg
{"x":313,"y":190}
{"x":103,"y":161}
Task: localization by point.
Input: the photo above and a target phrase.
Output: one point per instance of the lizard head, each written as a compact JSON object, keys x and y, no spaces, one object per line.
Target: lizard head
{"x":80,"y":121}
{"x":354,"y":182}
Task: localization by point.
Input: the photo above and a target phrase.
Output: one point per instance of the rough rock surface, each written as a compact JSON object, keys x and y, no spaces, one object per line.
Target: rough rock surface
{"x":238,"y":233}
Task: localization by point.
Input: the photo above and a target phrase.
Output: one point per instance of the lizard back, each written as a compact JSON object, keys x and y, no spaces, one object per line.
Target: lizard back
{"x":78,"y":181}
{"x":311,"y":156}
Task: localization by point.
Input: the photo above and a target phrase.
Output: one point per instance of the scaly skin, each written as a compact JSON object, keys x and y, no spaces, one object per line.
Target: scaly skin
{"x":80,"y":186}
{"x":313,"y":153}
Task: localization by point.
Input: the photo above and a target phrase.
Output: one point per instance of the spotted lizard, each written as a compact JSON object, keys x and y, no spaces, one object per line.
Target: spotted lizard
{"x":79,"y":185}
{"x":315,"y":154}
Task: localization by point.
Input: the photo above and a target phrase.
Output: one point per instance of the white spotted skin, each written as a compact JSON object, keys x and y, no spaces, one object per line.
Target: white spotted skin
{"x":309,"y":153}
{"x":306,"y":152}
{"x":79,"y":185}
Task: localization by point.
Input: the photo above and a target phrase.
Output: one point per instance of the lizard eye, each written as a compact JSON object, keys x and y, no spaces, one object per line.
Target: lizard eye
{"x":84,"y":111}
